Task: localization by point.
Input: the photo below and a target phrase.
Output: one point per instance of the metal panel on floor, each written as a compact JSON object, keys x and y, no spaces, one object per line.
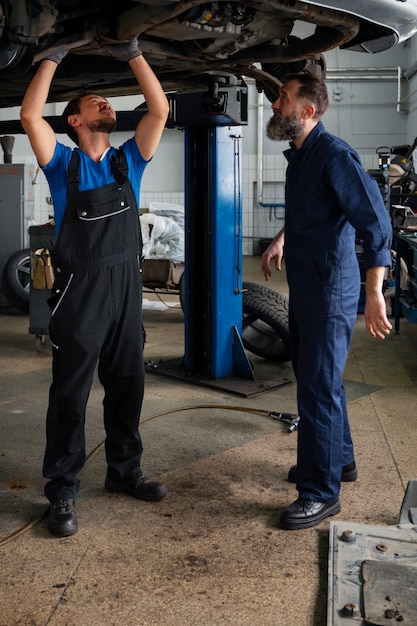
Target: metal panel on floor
{"x":373,"y":570}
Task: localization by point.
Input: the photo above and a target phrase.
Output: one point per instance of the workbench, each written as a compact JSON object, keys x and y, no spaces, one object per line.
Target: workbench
{"x":405,"y":303}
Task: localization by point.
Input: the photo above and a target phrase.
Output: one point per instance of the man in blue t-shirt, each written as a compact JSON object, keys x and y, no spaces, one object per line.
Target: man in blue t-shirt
{"x":96,"y":299}
{"x":329,"y":201}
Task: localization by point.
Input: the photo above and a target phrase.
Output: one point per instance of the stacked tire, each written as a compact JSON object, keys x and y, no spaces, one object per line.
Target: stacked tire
{"x":265,"y":330}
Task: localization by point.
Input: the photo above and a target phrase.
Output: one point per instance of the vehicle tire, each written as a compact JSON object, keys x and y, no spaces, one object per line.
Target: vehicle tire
{"x":262,"y":291}
{"x":265,"y":329}
{"x":15,"y":280}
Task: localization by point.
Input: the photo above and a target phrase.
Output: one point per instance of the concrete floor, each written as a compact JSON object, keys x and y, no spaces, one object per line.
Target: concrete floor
{"x":211,"y":552}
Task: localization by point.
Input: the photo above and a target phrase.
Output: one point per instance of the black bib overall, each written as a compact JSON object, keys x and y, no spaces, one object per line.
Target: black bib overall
{"x":96,"y":305}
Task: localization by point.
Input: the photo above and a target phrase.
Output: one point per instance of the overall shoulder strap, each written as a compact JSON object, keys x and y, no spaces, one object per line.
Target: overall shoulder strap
{"x":73,"y":177}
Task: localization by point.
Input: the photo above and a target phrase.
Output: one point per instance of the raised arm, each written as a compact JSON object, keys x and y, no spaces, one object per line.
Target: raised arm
{"x":40,"y":133}
{"x":149,"y":130}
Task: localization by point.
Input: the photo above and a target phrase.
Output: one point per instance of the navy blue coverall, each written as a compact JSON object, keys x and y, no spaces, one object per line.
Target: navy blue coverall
{"x":96,"y":304}
{"x":330,"y":200}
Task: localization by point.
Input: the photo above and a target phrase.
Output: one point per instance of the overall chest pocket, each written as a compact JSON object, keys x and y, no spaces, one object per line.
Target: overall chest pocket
{"x":102,"y":205}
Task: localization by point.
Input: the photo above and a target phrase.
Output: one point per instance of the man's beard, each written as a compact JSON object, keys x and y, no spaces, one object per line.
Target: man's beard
{"x":281,"y":128}
{"x":103,"y":125}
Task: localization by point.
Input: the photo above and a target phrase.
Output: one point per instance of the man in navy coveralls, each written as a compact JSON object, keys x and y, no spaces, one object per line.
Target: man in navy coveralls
{"x":330,"y":200}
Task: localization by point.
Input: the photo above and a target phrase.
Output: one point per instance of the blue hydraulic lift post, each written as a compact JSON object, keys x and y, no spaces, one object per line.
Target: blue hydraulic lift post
{"x":213,"y":254}
{"x":225,"y":261}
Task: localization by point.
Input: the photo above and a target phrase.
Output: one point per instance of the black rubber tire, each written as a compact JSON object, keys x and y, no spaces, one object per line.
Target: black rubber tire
{"x":262,"y":291}
{"x":15,"y":280}
{"x":265,"y":329}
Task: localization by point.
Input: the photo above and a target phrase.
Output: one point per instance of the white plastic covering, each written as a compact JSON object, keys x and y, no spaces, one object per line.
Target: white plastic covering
{"x":168,"y":209}
{"x":163,"y":238}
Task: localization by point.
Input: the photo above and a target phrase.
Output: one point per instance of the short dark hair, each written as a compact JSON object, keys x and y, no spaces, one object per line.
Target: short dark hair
{"x":72,"y":108}
{"x":312,"y":89}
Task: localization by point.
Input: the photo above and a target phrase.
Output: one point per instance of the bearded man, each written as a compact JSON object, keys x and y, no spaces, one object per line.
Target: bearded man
{"x":330,"y":201}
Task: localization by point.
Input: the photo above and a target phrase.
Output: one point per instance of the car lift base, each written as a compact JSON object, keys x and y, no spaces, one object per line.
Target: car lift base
{"x":231,"y":384}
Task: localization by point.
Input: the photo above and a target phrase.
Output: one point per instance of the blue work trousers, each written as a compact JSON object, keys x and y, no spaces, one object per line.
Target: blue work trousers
{"x":324,"y":292}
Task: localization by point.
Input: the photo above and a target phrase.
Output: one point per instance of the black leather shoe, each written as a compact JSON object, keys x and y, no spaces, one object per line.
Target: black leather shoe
{"x":306,"y":513}
{"x":62,"y":521}
{"x":349,"y":473}
{"x":141,"y":488}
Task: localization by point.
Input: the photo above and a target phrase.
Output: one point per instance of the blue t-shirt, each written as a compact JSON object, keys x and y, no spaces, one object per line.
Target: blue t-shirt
{"x":92,"y":174}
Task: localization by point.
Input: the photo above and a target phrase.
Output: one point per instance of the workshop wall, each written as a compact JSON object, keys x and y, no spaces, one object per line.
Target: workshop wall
{"x":369,"y":107}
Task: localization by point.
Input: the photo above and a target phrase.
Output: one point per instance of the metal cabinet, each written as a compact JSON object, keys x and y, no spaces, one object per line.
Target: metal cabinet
{"x":17,"y":206}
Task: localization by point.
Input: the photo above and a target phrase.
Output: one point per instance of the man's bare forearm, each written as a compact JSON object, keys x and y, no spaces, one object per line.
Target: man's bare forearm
{"x":41,"y":136}
{"x":374,"y":279}
{"x":37,"y":93}
{"x":151,"y":88}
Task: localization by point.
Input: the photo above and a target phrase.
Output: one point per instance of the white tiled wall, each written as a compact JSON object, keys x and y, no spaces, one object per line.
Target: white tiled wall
{"x":147,"y":197}
{"x":259,"y":222}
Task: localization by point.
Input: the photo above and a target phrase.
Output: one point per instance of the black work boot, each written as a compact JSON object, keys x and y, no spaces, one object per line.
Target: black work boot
{"x":62,"y":521}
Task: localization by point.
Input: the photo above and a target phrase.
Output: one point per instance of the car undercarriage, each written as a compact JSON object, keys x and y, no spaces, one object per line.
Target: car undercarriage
{"x":186,"y":41}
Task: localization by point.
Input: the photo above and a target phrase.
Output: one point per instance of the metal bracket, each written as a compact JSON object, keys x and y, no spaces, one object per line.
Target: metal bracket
{"x":241,"y":364}
{"x":225,"y":103}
